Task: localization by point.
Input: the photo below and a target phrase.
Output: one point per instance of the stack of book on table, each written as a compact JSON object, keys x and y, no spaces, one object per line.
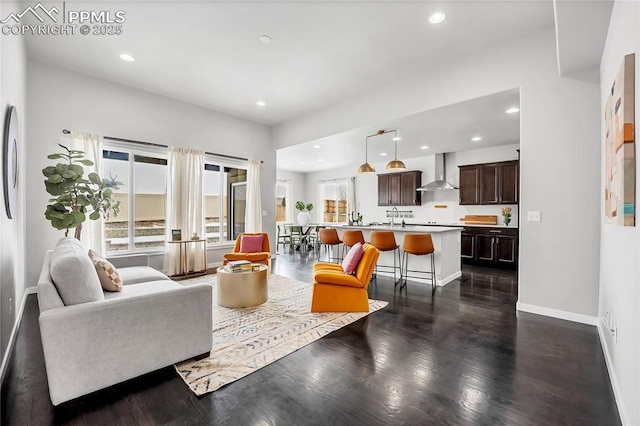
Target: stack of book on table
{"x":238,"y":266}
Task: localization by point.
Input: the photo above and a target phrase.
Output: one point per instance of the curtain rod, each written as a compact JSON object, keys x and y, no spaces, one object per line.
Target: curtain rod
{"x":157,"y":145}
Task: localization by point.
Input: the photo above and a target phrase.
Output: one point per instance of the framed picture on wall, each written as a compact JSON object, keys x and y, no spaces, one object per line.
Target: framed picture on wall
{"x":10,"y":162}
{"x":176,"y":235}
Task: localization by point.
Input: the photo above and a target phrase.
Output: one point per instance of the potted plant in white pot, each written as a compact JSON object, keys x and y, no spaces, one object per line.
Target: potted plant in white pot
{"x":304,"y":217}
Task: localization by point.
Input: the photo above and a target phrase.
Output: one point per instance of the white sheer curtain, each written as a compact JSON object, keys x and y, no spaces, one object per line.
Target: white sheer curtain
{"x":185,"y":207}
{"x":253,"y":211}
{"x":92,"y":230}
{"x":319,"y":206}
{"x":351,"y":197}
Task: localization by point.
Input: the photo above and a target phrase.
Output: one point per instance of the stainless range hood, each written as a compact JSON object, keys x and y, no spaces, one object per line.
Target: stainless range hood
{"x":440,"y":184}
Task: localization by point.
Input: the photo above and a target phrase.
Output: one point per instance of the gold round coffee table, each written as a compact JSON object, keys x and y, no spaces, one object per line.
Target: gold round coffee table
{"x":242,"y":289}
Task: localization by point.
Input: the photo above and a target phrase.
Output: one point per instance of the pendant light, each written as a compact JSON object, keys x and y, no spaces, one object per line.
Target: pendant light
{"x":366,"y":167}
{"x":395,"y":165}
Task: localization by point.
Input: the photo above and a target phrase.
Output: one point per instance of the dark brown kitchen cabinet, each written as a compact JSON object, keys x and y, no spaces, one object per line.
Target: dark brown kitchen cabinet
{"x":468,"y":246}
{"x":409,"y":184}
{"x":399,"y":189}
{"x":509,"y":182}
{"x":469,"y":189}
{"x":486,"y":246}
{"x":491,"y":183}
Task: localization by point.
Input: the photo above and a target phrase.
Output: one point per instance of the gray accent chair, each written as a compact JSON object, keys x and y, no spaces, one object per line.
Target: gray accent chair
{"x":97,"y":340}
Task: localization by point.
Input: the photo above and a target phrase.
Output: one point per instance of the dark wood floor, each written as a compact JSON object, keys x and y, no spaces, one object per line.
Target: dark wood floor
{"x":462,"y":357}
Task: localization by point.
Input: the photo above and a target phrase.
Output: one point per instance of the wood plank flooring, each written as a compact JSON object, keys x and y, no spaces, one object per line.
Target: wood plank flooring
{"x":462,"y":357}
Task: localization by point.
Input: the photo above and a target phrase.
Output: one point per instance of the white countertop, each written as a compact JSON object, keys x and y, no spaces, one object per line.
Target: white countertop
{"x":398,"y":228}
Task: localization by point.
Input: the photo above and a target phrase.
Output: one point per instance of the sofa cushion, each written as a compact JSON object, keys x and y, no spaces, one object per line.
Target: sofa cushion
{"x":351,"y":260}
{"x":140,"y":274}
{"x":251,"y":243}
{"x":73,"y":273}
{"x":107,"y":273}
{"x":141,"y":289}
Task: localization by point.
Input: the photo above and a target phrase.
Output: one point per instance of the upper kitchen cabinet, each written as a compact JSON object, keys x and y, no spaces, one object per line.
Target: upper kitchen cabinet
{"x":469,"y":185}
{"x":491,"y":183}
{"x":399,"y":189}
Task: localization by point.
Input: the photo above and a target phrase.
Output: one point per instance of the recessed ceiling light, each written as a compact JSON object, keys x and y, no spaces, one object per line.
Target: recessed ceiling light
{"x":437,"y":17}
{"x":383,"y":154}
{"x":320,"y":160}
{"x":316,"y":146}
{"x":287,"y":166}
{"x":397,"y":139}
{"x":512,"y":110}
{"x":265,"y":39}
{"x":476,"y":139}
{"x":302,"y":163}
{"x":261,"y":103}
{"x":127,"y":57}
{"x":424,"y":147}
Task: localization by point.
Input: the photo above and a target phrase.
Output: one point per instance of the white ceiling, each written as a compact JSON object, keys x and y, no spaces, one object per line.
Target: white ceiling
{"x":208,"y":53}
{"x":446,"y":129}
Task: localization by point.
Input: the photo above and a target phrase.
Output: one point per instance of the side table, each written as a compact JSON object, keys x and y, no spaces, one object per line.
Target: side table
{"x":183,"y":257}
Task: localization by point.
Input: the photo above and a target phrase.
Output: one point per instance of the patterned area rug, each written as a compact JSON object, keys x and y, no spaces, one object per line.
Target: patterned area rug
{"x":245,"y":340}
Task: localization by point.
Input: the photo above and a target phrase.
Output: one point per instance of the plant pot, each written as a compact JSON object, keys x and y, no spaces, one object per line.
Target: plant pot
{"x":304,"y":218}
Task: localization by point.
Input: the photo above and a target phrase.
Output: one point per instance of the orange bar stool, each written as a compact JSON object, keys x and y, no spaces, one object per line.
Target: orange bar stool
{"x":351,"y":237}
{"x":329,"y":238}
{"x":419,"y":245}
{"x":386,"y":241}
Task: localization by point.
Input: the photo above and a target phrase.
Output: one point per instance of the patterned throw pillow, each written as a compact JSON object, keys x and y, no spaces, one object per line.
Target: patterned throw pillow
{"x":108,"y":274}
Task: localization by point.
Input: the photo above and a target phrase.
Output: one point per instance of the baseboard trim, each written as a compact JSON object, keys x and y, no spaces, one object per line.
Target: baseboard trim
{"x":448,"y":279}
{"x":14,"y":332}
{"x":555,"y":313}
{"x":617,"y":393}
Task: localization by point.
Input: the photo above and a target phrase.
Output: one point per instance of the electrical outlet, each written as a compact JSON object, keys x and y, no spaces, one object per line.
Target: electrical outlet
{"x":533,"y":216}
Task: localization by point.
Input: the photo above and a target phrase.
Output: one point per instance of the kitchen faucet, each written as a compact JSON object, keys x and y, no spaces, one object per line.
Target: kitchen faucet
{"x":394,"y":212}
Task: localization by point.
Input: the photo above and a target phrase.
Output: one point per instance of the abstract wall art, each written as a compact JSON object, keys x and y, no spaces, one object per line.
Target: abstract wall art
{"x":619,"y":148}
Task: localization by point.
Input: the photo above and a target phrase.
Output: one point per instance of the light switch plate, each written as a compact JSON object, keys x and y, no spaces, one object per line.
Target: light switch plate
{"x":264,"y":212}
{"x":533,"y":216}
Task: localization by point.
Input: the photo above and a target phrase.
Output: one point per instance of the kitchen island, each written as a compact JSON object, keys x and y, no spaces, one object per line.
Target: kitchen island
{"x":446,"y":241}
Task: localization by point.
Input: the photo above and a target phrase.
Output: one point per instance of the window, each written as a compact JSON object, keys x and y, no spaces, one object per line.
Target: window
{"x":224,"y":201}
{"x":284,"y":201}
{"x":141,"y":222}
{"x":334,"y":201}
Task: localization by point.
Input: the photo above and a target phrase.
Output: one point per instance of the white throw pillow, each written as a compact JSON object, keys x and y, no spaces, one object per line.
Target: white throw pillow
{"x":73,"y":273}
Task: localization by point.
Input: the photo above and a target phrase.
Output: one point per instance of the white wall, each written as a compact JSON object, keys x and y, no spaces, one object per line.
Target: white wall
{"x":620,"y":246}
{"x":367,"y":187}
{"x":13,"y":75}
{"x":61,"y":99}
{"x":560,"y":153}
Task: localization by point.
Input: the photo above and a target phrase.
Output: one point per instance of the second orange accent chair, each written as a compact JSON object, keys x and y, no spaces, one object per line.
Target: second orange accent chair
{"x":263,"y":256}
{"x":335,"y":291}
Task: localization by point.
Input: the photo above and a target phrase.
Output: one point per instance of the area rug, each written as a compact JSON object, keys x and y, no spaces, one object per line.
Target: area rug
{"x":245,"y":340}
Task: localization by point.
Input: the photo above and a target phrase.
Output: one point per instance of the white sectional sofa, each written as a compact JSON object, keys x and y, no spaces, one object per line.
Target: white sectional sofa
{"x":94,"y":339}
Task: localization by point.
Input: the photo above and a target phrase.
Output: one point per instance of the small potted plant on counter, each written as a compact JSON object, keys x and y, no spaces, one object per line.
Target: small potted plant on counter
{"x":506,"y":215}
{"x":304,"y":217}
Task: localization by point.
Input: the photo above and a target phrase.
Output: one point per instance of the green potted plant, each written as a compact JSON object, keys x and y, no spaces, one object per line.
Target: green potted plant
{"x":74,"y":196}
{"x":303,"y":216}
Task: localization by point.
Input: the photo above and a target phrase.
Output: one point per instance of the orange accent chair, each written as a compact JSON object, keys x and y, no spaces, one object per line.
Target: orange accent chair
{"x":263,"y":257}
{"x":335,"y":291}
